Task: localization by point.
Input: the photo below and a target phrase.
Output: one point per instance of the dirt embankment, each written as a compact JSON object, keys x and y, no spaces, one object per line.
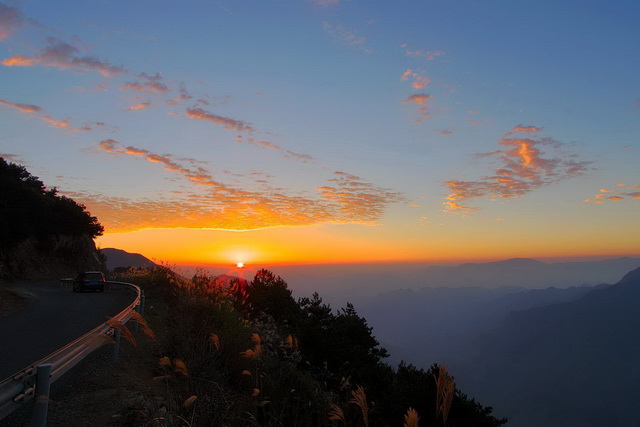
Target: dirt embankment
{"x":50,"y":257}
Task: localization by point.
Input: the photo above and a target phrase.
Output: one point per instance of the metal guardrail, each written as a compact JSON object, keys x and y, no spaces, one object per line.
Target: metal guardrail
{"x":33,"y":381}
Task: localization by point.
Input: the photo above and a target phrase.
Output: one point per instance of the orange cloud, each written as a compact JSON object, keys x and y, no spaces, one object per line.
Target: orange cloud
{"x":140,"y":106}
{"x":153,"y":84}
{"x":227,"y":123}
{"x":214,"y":204}
{"x":523,"y":167}
{"x":446,"y":132}
{"x":304,"y":158}
{"x":419,"y":81}
{"x":23,"y":108}
{"x":33,"y":109}
{"x":10,"y":20}
{"x":614,"y":195}
{"x":182,"y":96}
{"x":422,"y":101}
{"x":62,"y":55}
{"x":419,"y":98}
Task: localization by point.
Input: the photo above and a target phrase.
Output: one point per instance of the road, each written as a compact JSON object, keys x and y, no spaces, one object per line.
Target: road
{"x":55,"y":318}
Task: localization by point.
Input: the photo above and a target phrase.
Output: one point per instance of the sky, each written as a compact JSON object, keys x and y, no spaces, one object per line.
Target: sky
{"x":332,"y":131}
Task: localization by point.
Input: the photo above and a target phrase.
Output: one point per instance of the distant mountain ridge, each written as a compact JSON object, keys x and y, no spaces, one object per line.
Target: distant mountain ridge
{"x":119,"y":258}
{"x":530,"y":273}
{"x":573,"y":363}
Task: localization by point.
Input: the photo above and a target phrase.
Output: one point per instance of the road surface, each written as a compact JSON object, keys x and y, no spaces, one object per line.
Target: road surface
{"x":55,"y":318}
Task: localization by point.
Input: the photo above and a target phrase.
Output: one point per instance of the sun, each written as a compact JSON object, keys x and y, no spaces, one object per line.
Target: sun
{"x":240,"y":264}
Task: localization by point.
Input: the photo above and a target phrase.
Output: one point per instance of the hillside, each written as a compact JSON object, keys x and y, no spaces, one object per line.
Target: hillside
{"x":573,"y":363}
{"x":118,"y":258}
{"x":42,"y":234}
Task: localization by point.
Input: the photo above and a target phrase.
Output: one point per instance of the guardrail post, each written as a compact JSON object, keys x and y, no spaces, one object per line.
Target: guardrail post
{"x":41,"y":407}
{"x":141,"y":307}
{"x":116,"y":347}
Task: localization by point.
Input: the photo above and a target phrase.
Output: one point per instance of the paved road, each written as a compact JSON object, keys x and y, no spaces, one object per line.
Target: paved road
{"x":56,"y":317}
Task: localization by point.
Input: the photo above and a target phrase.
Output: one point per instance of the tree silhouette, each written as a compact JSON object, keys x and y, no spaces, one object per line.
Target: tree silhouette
{"x":29,"y":210}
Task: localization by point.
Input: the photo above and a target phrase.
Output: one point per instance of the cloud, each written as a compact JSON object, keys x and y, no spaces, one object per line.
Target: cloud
{"x":422,"y":100}
{"x":182,"y":96}
{"x":138,"y":107}
{"x":419,"y":81}
{"x":304,"y":158}
{"x":522,"y":128}
{"x":523,"y":167}
{"x":615,"y":195}
{"x":346,"y":199}
{"x":326,"y":2}
{"x":446,"y":132}
{"x":429,"y":55}
{"x":10,"y":20}
{"x":153,"y":84}
{"x":23,"y":108}
{"x":63,"y":56}
{"x":31,"y":110}
{"x":350,"y":37}
{"x":231,"y":124}
{"x":10,"y":157}
{"x":262,"y":144}
{"x":357,"y":200}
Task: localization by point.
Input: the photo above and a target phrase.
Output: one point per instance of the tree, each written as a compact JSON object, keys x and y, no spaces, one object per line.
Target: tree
{"x":29,"y":210}
{"x":270,"y":294}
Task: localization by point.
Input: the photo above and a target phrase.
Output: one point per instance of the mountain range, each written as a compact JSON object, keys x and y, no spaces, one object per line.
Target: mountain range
{"x":119,"y":258}
{"x":572,"y":363}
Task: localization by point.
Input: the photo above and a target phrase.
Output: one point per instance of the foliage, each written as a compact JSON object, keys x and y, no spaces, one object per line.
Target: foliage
{"x":255,"y":356}
{"x":29,"y":210}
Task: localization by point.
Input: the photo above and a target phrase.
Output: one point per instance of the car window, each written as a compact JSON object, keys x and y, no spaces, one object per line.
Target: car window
{"x":94,"y":276}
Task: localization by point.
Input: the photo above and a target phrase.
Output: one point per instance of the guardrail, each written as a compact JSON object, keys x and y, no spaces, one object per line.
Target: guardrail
{"x":33,"y":381}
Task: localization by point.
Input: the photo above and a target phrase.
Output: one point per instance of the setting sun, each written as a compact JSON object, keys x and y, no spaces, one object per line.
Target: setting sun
{"x":240,"y":264}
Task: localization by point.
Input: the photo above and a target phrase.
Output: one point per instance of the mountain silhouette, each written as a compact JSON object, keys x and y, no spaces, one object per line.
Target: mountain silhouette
{"x":528,"y":273}
{"x":568,"y":364}
{"x":119,"y":258}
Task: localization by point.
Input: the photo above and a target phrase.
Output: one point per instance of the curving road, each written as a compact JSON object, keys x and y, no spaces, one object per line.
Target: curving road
{"x":55,"y":318}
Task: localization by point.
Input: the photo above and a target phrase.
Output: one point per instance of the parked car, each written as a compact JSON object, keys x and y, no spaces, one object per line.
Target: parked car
{"x":93,"y":280}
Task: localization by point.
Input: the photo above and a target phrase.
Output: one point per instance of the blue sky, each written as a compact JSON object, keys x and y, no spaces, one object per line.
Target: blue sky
{"x":405,"y":130}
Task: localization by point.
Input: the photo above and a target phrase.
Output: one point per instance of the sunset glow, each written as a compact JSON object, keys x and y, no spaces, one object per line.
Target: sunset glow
{"x":337,"y":131}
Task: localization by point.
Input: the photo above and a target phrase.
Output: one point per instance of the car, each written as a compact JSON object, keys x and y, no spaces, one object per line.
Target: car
{"x":93,"y":280}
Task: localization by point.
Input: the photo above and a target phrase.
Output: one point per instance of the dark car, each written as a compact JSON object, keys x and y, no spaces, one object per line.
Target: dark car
{"x":93,"y":280}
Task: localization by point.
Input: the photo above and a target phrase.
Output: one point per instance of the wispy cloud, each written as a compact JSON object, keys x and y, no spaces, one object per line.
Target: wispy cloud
{"x":10,"y":20}
{"x":11,"y":157}
{"x":617,"y":195}
{"x":183,"y":95}
{"x":147,"y":83}
{"x":23,"y":108}
{"x":140,"y":106}
{"x":304,"y":158}
{"x":63,"y":56}
{"x":422,"y":100}
{"x":213,"y":204}
{"x":38,"y":113}
{"x":429,"y":55}
{"x":419,"y":80}
{"x":523,"y":166}
{"x":350,"y":37}
{"x":225,"y":122}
